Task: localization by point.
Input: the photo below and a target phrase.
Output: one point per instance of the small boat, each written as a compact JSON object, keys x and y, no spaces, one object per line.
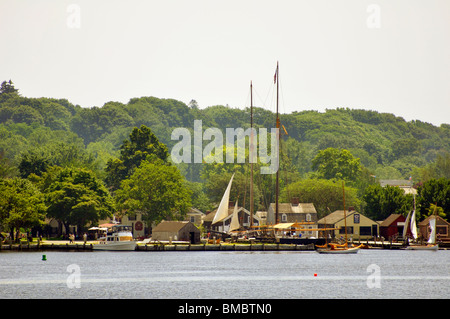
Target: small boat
{"x":118,"y":237}
{"x":431,"y":244}
{"x":423,"y":247}
{"x":338,"y":250}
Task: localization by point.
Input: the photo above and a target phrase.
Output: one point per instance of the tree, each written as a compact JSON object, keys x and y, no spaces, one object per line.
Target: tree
{"x":141,"y":144}
{"x":437,"y":192}
{"x":21,"y":205}
{"x":32,"y":163}
{"x":8,"y":87}
{"x":384,"y":201}
{"x":76,"y":197}
{"x":157,"y":190}
{"x":339,"y":164}
{"x":326,"y":195}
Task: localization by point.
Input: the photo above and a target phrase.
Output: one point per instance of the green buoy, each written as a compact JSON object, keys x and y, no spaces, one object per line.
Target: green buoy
{"x":44,"y":257}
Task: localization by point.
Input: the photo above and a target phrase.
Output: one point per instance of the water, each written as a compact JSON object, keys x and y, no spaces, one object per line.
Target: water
{"x":234,"y":275}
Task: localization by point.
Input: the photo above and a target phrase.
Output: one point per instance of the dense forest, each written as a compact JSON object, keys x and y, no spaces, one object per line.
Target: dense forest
{"x":37,"y":133}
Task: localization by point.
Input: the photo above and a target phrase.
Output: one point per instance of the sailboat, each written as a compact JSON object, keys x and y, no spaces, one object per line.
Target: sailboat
{"x":222,"y":210}
{"x":431,"y":244}
{"x":340,"y":249}
{"x":234,"y":225}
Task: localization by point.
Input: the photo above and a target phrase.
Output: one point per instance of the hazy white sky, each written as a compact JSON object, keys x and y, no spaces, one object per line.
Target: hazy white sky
{"x":389,"y":56}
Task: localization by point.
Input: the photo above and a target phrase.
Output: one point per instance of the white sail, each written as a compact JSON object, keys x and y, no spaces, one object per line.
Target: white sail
{"x":413,"y":225}
{"x":405,"y":228}
{"x":432,"y":239}
{"x":235,"y":219}
{"x":222,"y":211}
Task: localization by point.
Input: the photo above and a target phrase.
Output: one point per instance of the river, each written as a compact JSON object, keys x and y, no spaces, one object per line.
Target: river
{"x":369,"y":274}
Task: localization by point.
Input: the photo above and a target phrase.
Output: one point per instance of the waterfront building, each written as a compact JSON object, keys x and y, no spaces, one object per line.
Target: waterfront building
{"x":359,"y":227}
{"x":176,"y":231}
{"x":195,"y":216}
{"x":392,"y":227}
{"x":304,"y":214}
{"x":442,"y":229}
{"x":224,"y":225}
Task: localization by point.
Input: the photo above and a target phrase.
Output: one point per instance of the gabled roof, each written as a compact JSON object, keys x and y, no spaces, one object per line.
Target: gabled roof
{"x":301,"y":208}
{"x":440,"y":221}
{"x":335,"y":217}
{"x":170,"y":226}
{"x":391,"y":219}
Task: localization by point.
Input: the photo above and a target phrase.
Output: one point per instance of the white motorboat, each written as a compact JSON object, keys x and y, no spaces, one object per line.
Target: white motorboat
{"x":118,"y":237}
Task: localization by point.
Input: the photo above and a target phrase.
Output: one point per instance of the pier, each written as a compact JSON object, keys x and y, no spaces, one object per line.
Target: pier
{"x":160,"y":246}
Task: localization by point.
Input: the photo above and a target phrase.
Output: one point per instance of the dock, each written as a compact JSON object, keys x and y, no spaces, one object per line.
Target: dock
{"x":225,"y":247}
{"x":160,"y":246}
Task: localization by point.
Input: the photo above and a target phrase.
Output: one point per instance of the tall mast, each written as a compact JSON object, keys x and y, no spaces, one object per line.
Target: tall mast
{"x":251,"y":155}
{"x":278,"y":141}
{"x":345,"y":214}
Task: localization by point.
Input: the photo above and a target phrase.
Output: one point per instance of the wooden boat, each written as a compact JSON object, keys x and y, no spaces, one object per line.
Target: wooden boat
{"x":334,"y":249}
{"x":340,"y":249}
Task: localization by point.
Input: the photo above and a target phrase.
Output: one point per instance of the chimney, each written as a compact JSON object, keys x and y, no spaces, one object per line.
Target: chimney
{"x":351,"y":208}
{"x":294,"y":201}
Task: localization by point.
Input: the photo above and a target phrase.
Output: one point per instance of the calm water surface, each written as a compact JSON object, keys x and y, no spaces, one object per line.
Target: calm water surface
{"x":249,"y":275}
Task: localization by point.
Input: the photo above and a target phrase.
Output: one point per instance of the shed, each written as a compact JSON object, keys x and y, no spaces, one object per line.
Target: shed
{"x":393,"y":226}
{"x":442,"y":229}
{"x":177,"y":231}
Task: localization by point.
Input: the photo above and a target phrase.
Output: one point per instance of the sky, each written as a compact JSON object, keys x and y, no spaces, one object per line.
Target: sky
{"x":390,"y":56}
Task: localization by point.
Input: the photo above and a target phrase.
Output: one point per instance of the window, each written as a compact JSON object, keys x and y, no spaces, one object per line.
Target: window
{"x":349,"y":230}
{"x":284,"y":218}
{"x":192,"y":219}
{"x":132,"y":217}
{"x":308,"y":217}
{"x":356,"y":218}
{"x":365,"y":230}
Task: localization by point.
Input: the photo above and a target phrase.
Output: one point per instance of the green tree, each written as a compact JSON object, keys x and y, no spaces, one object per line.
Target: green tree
{"x":384,"y":201}
{"x":8,"y":87}
{"x":32,"y":164}
{"x":436,"y":192}
{"x":21,"y":205}
{"x":326,"y":195}
{"x":157,"y":190}
{"x":141,"y":144}
{"x":339,"y":164}
{"x":76,"y":197}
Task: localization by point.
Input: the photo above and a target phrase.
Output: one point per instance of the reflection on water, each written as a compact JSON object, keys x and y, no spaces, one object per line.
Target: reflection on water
{"x":401,"y":274}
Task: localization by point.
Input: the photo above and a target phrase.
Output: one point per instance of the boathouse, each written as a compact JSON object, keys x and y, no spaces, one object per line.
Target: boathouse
{"x":442,"y":229}
{"x":392,"y":227}
{"x":359,"y":227}
{"x":176,"y":231}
